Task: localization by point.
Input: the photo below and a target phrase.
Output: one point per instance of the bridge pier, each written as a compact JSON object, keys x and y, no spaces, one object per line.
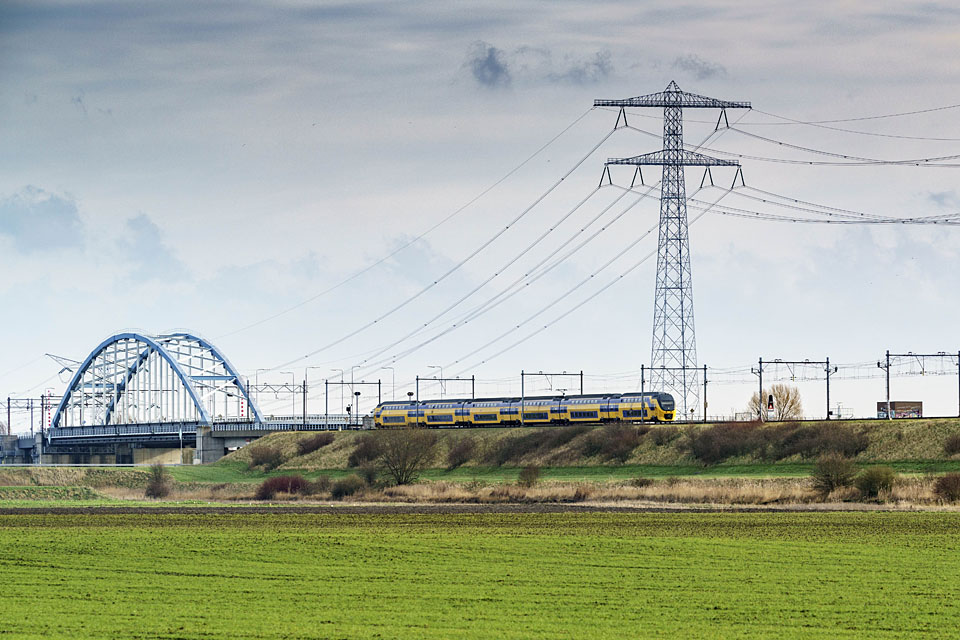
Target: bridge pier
{"x":209,"y":448}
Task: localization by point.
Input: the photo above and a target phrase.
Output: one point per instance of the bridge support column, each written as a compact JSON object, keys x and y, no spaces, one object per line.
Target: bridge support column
{"x":209,"y":448}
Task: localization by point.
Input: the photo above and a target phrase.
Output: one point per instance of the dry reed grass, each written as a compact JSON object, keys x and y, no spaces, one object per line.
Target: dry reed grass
{"x":907,"y":492}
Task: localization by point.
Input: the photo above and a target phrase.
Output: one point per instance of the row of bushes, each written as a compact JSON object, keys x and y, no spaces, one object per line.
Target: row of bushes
{"x":612,"y":443}
{"x":296,"y":484}
{"x":834,"y":472}
{"x":775,"y":442}
{"x":709,"y":445}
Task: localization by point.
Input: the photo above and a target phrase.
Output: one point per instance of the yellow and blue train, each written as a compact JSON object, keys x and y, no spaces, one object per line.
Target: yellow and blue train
{"x":540,"y":410}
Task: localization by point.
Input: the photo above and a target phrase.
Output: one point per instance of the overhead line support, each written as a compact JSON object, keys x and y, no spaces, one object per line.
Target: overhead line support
{"x":674,"y":353}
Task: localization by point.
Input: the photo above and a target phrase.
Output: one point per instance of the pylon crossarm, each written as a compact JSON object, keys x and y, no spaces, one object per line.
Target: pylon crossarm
{"x":674,"y":97}
{"x":686,"y":158}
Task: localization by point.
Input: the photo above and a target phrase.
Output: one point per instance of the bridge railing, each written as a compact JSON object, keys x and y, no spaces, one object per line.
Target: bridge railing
{"x":168,"y":429}
{"x":159,"y":428}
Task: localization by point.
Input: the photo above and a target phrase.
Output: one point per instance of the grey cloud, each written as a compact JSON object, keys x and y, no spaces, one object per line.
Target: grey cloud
{"x":495,"y":67}
{"x":487,"y":65}
{"x":698,"y":67}
{"x":593,"y":69}
{"x":37,"y":220}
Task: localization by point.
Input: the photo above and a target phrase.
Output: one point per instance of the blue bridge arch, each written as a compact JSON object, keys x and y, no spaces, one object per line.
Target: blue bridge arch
{"x":134,"y":378}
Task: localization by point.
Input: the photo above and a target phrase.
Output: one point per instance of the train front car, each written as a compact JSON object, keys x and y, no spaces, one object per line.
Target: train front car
{"x":666,"y":409}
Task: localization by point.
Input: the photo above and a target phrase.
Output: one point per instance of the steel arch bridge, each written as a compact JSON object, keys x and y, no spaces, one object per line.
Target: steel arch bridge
{"x":172,"y":380}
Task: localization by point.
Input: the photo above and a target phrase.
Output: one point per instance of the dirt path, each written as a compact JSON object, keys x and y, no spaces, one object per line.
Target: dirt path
{"x":450,"y":509}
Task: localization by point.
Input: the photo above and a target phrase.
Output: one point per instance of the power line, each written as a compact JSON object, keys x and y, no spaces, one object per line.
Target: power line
{"x":842,"y":155}
{"x":738,"y":212}
{"x":512,"y":290}
{"x":454,"y":268}
{"x":863,"y":118}
{"x":449,"y":217}
{"x":821,"y":125}
{"x":575,"y":288}
{"x":866,"y":218}
{"x":494,"y":302}
{"x":483,"y":283}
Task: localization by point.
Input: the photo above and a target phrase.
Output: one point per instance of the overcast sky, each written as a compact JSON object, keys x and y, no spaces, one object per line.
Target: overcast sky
{"x":210,"y":166}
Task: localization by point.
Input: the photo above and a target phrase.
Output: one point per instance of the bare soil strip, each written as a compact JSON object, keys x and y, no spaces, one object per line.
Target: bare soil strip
{"x":450,"y":509}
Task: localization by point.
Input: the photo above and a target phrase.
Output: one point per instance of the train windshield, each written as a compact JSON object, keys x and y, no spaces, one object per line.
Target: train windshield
{"x":666,"y":401}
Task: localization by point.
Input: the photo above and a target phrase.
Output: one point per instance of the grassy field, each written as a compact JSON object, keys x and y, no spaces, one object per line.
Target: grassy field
{"x":273,"y":575}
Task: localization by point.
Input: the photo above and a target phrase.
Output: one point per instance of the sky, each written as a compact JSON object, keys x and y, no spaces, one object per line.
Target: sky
{"x":223,"y":167}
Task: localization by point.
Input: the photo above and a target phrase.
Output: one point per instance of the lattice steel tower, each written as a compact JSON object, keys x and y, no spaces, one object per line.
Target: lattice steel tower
{"x":673,"y":358}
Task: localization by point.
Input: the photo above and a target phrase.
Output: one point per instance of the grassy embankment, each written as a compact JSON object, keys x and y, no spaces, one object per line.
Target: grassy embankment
{"x":256,"y":575}
{"x":596,"y":463}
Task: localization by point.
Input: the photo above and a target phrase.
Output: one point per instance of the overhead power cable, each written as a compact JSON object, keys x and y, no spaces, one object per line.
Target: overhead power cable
{"x":455,"y":267}
{"x":833,"y":211}
{"x":493,"y":302}
{"x":436,"y":317}
{"x":737,"y":212}
{"x":880,"y":117}
{"x":843,"y":155}
{"x":512,"y":290}
{"x":848,"y":160}
{"x":823,"y":125}
{"x":509,"y":292}
{"x":414,"y":240}
{"x":577,"y":306}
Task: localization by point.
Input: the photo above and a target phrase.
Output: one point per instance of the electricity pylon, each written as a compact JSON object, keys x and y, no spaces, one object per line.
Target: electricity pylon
{"x":674,"y":353}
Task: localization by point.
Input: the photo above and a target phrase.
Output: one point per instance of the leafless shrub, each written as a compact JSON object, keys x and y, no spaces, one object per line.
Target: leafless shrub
{"x":265,"y":456}
{"x":311,"y":444}
{"x":347,"y":486}
{"x":833,"y":471}
{"x":159,"y":482}
{"x":952,"y":445}
{"x":818,"y":439}
{"x":320,"y":484}
{"x":460,"y":452}
{"x":721,"y":441}
{"x":529,"y":476}
{"x":874,"y":480}
{"x":405,"y":452}
{"x":367,"y":449}
{"x":369,"y":473}
{"x":613,"y":442}
{"x":664,"y":435}
{"x":947,"y":487}
{"x":535,"y":442}
{"x":281,"y":484}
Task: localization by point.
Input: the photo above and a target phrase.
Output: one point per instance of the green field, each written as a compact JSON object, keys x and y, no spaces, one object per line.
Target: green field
{"x":532,"y":575}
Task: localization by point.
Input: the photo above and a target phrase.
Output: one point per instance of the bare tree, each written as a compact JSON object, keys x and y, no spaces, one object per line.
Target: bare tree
{"x":405,"y":452}
{"x":786,"y":403}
